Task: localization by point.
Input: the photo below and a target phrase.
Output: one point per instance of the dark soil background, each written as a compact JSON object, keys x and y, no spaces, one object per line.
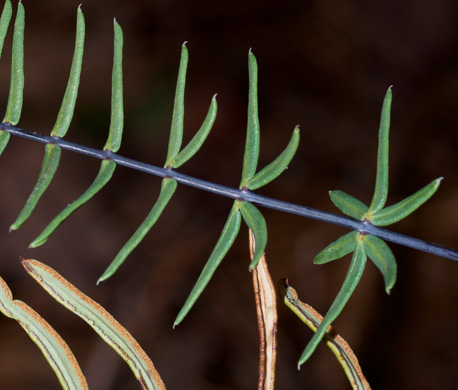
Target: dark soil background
{"x":324,"y":65}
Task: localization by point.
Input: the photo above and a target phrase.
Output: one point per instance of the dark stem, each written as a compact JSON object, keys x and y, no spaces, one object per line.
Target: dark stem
{"x":303,"y":211}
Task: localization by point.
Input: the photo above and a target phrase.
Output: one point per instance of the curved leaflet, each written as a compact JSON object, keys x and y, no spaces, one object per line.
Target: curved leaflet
{"x":113,"y":142}
{"x":106,"y":172}
{"x":339,"y":248}
{"x":14,"y":107}
{"x":276,"y":167}
{"x":348,"y":204}
{"x":358,"y":262}
{"x":381,"y":180}
{"x":334,"y":341}
{"x":111,"y":331}
{"x":53,"y":347}
{"x":257,"y":224}
{"x":48,"y":169}
{"x":402,"y":209}
{"x":52,"y":151}
{"x":227,"y":238}
{"x":167,"y":190}
{"x":250,"y":158}
{"x":380,"y":254}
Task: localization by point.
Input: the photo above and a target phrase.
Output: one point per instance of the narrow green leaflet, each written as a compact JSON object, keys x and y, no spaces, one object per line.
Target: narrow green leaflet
{"x":117,"y":107}
{"x":5,"y":22}
{"x":194,"y":145}
{"x":65,"y":115}
{"x":176,"y":130}
{"x":52,"y":152}
{"x":380,"y":253}
{"x":14,"y":107}
{"x":402,"y":209}
{"x":339,"y":248}
{"x":107,"y":168}
{"x":381,"y":180}
{"x":53,"y":347}
{"x":256,"y":222}
{"x":48,"y":169}
{"x":354,"y":274}
{"x":64,"y":118}
{"x":168,"y":188}
{"x":4,"y":138}
{"x":348,"y":204}
{"x":335,"y":342}
{"x":110,"y":330}
{"x":228,"y":235}
{"x":276,"y":167}
{"x":250,"y":159}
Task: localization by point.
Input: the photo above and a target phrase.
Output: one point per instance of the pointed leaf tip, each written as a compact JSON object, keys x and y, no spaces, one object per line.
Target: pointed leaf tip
{"x":276,"y":167}
{"x":382,"y":256}
{"x":225,"y":241}
{"x":405,"y":207}
{"x":257,"y":224}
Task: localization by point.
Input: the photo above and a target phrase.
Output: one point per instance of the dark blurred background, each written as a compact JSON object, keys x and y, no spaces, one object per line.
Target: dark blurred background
{"x":324,"y":65}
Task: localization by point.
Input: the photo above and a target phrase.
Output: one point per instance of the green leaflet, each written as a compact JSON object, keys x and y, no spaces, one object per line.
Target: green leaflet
{"x":52,"y":152}
{"x":402,"y":209}
{"x":117,"y":107}
{"x":339,"y":248}
{"x":5,"y":22}
{"x":381,"y":180}
{"x":175,"y":158}
{"x":168,"y":188}
{"x":336,"y":343}
{"x":65,"y":115}
{"x":48,"y":169}
{"x":349,"y":205}
{"x":194,"y":145}
{"x":107,"y":168}
{"x":14,"y":107}
{"x":228,"y":235}
{"x":110,"y":330}
{"x":4,"y":138}
{"x":354,"y":274}
{"x":53,"y":347}
{"x":276,"y":167}
{"x":250,"y":159}
{"x":256,"y":222}
{"x":176,"y":130}
{"x":380,"y":253}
